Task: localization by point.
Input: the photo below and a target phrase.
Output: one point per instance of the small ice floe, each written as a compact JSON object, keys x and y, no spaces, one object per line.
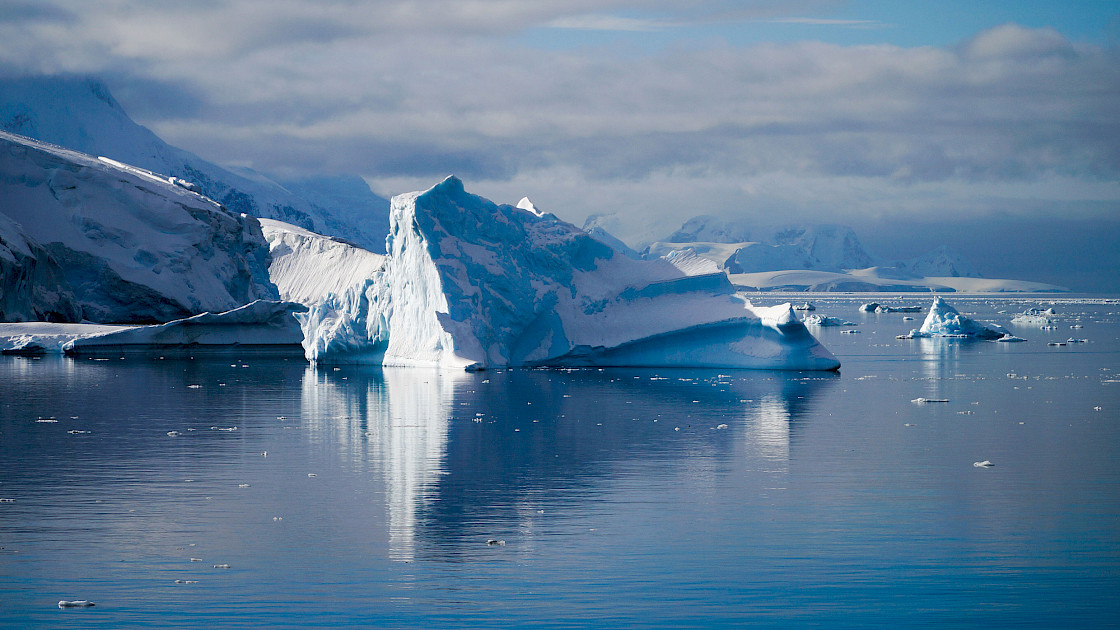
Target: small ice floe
{"x":242,"y":485}
{"x":983,"y":464}
{"x":312,"y":475}
{"x":223,"y":428}
{"x":221,"y":566}
{"x":495,"y":542}
{"x":77,"y":432}
{"x":1076,"y":326}
{"x":186,"y":581}
{"x":922,"y":401}
{"x":7,"y":500}
{"x":277,"y":519}
{"x":804,"y":307}
{"x":196,"y":559}
{"x":825,"y":320}
{"x":1072,"y":340}
{"x":77,"y":603}
{"x":173,"y":434}
{"x":1056,"y":343}
{"x":851,"y":332}
{"x":1098,"y":408}
{"x":1008,"y":337}
{"x":194,"y":387}
{"x":46,"y":420}
{"x":721,"y":426}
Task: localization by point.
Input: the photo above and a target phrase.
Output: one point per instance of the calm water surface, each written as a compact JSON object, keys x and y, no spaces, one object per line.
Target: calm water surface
{"x":611,"y":498}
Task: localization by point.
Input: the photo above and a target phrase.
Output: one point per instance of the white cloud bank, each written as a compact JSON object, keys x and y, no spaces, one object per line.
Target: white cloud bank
{"x":406,"y":92}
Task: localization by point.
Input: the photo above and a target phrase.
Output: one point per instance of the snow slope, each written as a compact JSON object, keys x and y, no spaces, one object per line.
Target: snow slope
{"x":132,"y":246}
{"x":80,"y":113}
{"x":471,"y":284}
{"x":308,"y":267}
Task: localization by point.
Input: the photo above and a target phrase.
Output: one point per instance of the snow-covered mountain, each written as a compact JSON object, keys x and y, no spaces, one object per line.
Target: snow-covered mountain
{"x":820,"y":258}
{"x":92,"y":238}
{"x":80,"y":113}
{"x":821,"y":247}
{"x":468,"y":283}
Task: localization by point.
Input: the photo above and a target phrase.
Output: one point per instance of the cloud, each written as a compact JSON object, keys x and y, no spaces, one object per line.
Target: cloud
{"x":407,"y":92}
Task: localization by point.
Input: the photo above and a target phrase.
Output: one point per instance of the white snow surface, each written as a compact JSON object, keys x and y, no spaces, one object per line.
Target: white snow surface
{"x":132,"y":245}
{"x":471,"y":284}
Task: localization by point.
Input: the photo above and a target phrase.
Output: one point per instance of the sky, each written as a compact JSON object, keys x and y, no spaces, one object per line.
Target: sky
{"x":991,"y":126}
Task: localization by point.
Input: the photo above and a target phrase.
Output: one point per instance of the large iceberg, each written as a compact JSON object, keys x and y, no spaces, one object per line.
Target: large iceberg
{"x":470,"y":284}
{"x":116,"y":243}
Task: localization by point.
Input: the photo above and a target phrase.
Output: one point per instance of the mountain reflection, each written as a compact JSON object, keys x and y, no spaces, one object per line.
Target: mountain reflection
{"x":465,"y":455}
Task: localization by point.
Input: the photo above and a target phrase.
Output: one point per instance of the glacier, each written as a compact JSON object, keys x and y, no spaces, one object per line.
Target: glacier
{"x":470,"y":284}
{"x":80,"y":113}
{"x":89,"y":238}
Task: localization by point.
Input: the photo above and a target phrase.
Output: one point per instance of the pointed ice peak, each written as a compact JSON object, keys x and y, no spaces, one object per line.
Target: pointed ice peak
{"x":451,"y":185}
{"x":526,"y":204}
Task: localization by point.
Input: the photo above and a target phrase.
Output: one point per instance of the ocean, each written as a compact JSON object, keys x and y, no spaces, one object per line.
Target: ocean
{"x":248,"y":492}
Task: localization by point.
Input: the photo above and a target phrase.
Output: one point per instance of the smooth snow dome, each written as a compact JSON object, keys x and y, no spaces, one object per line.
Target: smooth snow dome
{"x":133,"y":246}
{"x":944,"y":321}
{"x":472,"y":284}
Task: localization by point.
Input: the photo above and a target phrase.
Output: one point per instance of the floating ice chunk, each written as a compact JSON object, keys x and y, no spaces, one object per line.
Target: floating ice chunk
{"x":922,"y":401}
{"x":186,"y":581}
{"x":77,"y":603}
{"x":944,"y":321}
{"x":825,"y":320}
{"x":804,"y":307}
{"x":869,"y":307}
{"x":221,"y":566}
{"x":983,"y":464}
{"x":1008,"y":337}
{"x":196,"y":559}
{"x":494,"y":541}
{"x":173,"y":434}
{"x":721,"y":426}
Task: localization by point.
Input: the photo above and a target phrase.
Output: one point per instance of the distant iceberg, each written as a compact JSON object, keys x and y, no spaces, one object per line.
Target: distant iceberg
{"x":471,"y":284}
{"x":944,"y":321}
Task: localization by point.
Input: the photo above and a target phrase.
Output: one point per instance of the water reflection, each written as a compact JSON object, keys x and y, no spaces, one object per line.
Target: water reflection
{"x":467,"y":456}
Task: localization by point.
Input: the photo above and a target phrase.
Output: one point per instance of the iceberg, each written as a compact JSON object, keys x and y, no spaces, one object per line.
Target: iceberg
{"x":944,"y":321}
{"x":93,"y":239}
{"x":470,"y":284}
{"x":825,"y":320}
